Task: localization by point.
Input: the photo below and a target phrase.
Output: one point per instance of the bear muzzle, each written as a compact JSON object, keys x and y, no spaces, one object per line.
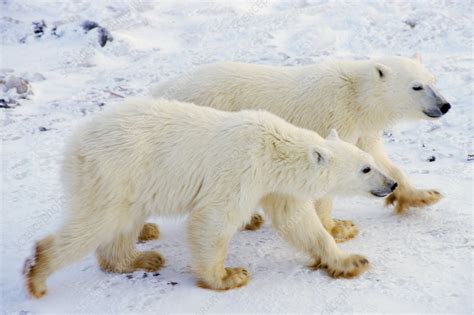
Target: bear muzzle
{"x":388,"y":188}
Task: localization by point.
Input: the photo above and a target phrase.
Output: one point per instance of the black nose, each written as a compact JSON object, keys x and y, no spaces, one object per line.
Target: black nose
{"x":445,"y":107}
{"x":395,"y":185}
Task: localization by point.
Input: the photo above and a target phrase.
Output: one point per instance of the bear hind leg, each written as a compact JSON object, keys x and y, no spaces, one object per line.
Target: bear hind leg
{"x":120,"y":254}
{"x":75,"y":239}
{"x":150,"y":231}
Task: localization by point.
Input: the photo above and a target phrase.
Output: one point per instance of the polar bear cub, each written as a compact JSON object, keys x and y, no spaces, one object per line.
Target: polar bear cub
{"x":157,"y":157}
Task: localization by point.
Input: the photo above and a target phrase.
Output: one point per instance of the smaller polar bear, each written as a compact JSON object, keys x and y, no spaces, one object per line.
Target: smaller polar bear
{"x":159,"y":157}
{"x":358,"y":98}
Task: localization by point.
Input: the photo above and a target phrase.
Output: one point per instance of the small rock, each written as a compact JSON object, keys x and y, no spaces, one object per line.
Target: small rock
{"x":145,"y":275}
{"x":104,"y":36}
{"x":55,"y":32}
{"x":38,"y":28}
{"x":21,"y":85}
{"x":411,"y":23}
{"x":156,"y":274}
{"x":8,"y":103}
{"x":129,"y":276}
{"x":172,"y":283}
{"x":89,"y":25}
{"x":43,"y":129}
{"x":431,"y":158}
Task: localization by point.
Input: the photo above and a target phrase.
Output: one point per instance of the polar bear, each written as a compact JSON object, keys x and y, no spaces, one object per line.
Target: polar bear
{"x":157,"y":157}
{"x":358,"y":98}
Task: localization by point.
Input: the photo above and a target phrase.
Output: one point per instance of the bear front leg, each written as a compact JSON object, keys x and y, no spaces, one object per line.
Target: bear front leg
{"x":297,"y":222}
{"x":341,"y":230}
{"x":209,"y":232}
{"x":405,"y":196}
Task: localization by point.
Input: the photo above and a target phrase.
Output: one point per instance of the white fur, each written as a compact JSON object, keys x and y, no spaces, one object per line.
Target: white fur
{"x":358,"y":98}
{"x":158,"y":157}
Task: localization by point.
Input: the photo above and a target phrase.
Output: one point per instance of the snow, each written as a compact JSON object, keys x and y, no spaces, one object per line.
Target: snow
{"x":420,"y":262}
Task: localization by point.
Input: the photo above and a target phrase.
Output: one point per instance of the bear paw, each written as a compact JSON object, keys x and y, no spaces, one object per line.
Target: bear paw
{"x":149,"y":261}
{"x":234,"y":278}
{"x":418,"y":198}
{"x":255,"y":223}
{"x":348,"y":267}
{"x":343,"y":230}
{"x":149,"y":232}
{"x":36,"y":268}
{"x":36,"y":288}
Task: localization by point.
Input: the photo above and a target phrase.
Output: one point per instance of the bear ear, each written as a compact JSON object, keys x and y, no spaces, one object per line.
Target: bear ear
{"x":318,"y":155}
{"x":417,"y":57}
{"x":382,"y":70}
{"x":332,"y":135}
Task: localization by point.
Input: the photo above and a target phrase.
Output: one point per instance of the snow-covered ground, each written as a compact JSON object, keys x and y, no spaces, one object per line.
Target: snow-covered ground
{"x":420,"y":262}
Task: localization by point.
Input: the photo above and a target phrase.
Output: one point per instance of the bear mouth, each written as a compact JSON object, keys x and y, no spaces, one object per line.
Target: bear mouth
{"x":433,"y":113}
{"x":380,"y":193}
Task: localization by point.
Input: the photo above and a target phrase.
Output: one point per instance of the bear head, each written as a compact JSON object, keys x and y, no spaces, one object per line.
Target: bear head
{"x":353,"y":171}
{"x":311,"y":167}
{"x":403,"y":89}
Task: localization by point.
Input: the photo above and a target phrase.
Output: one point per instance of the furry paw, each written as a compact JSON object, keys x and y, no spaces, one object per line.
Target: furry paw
{"x":149,"y":261}
{"x":418,"y":198}
{"x":36,"y":289}
{"x":149,"y":232}
{"x":343,"y":230}
{"x":35,"y":269}
{"x":255,"y":223}
{"x":235,"y":278}
{"x":348,"y":267}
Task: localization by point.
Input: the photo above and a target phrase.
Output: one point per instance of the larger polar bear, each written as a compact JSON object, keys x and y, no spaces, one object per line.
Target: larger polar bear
{"x":157,"y":157}
{"x":358,"y":98}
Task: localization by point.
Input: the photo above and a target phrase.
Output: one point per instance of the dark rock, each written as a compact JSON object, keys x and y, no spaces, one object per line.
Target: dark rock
{"x":172,"y":283}
{"x":55,"y":32}
{"x":4,"y":104}
{"x":89,"y":25}
{"x":431,"y":158}
{"x":43,"y":129}
{"x":104,"y":36}
{"x":8,"y":103}
{"x":38,"y":28}
{"x":411,"y":23}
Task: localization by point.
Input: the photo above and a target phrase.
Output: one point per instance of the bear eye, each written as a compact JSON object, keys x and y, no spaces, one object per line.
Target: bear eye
{"x":417,"y":88}
{"x":366,"y":170}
